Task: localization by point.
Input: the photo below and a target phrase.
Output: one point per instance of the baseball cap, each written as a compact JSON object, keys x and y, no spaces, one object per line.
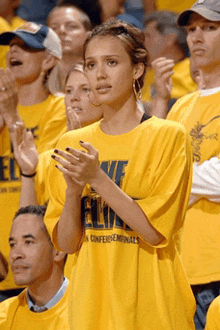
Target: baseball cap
{"x":209,"y":9}
{"x":35,"y":36}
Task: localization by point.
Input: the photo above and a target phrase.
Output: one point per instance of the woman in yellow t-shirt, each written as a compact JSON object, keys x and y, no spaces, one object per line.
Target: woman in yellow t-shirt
{"x":114,"y":202}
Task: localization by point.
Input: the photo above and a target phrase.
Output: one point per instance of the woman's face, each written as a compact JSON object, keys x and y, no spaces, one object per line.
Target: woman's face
{"x":77,"y":99}
{"x":109,"y":70}
{"x":24,"y":62}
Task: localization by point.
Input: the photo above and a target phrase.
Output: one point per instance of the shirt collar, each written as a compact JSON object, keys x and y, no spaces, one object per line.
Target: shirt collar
{"x":211,"y":91}
{"x":56,"y":298}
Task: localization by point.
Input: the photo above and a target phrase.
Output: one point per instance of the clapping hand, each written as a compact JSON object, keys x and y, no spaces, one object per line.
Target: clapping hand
{"x":24,"y":149}
{"x":73,"y":121}
{"x":8,"y":96}
{"x":78,"y":166}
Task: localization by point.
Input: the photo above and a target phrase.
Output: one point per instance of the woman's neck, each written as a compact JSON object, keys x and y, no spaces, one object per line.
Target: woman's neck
{"x":122,"y":120}
{"x":33,"y":93}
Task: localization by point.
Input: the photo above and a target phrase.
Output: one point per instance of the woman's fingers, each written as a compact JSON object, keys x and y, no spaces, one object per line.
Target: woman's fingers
{"x":81,"y":155}
{"x":73,"y":119}
{"x":69,"y":157}
{"x":91,"y":150}
{"x":28,"y":139}
{"x":18,"y":129}
{"x":81,"y":166}
{"x":69,"y":174}
{"x":66,"y":163}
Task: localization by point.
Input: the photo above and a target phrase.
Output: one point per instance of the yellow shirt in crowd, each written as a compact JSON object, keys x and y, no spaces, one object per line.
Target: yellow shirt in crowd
{"x":47,"y":121}
{"x":200,"y":242}
{"x":174,"y":5}
{"x":119,"y":281}
{"x":4,"y":27}
{"x":15,"y":315}
{"x":182,"y":82}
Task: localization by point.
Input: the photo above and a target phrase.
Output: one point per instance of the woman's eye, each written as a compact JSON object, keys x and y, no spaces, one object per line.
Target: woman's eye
{"x":12,"y":245}
{"x":112,"y":63}
{"x":28,"y":242}
{"x":86,"y":89}
{"x":90,"y":65}
{"x":68,"y":91}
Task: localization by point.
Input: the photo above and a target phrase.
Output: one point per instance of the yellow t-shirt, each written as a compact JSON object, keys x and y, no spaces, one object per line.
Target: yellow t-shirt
{"x":174,"y":5}
{"x":4,"y":27}
{"x":119,"y":281}
{"x":213,"y":315}
{"x":15,"y":315}
{"x":182,"y":82}
{"x":47,"y":121}
{"x":200,"y":242}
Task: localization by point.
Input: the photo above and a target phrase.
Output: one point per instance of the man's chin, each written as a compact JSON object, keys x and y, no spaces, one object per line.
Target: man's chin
{"x":21,"y":281}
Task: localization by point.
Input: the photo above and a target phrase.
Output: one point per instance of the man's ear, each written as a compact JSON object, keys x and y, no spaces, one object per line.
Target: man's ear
{"x":59,"y":256}
{"x":49,"y":62}
{"x":138,"y":70}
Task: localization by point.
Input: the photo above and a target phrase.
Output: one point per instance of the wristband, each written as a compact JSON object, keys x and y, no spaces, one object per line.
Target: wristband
{"x":28,"y":175}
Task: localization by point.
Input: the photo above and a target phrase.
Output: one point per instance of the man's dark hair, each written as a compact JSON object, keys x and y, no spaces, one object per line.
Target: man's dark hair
{"x":38,"y":210}
{"x":167,"y":24}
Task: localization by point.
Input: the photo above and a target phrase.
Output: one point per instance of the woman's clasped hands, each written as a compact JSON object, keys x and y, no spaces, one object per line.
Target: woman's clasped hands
{"x":78,"y":166}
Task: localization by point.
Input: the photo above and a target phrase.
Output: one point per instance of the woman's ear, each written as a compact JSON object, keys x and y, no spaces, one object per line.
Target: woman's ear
{"x":138,"y":70}
{"x":49,"y":62}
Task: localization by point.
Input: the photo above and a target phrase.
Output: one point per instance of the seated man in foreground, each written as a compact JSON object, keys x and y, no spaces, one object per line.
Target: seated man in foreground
{"x":36,"y":264}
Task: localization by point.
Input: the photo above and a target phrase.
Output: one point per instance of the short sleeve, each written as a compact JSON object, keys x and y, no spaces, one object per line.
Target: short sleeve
{"x":166,"y":203}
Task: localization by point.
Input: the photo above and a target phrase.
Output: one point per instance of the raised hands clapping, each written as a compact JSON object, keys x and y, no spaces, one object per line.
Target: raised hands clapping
{"x":25,"y":151}
{"x":78,"y":166}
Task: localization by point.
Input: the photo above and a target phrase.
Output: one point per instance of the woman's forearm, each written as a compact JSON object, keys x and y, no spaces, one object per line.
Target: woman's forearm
{"x":69,"y":227}
{"x":126,"y":208}
{"x":27,"y":195}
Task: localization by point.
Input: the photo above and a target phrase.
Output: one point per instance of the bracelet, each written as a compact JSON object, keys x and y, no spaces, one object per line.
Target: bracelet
{"x":28,"y":175}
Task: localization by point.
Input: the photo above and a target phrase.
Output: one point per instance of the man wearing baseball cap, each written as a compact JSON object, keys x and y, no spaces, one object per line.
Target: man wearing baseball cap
{"x":24,"y":96}
{"x":199,"y":112}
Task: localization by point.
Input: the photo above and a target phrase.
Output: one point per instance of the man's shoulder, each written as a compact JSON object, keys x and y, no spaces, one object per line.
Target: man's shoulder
{"x":186,"y":99}
{"x":185,"y":102}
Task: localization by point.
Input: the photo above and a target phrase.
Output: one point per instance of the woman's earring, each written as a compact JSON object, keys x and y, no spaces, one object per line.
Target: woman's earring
{"x":92,"y":104}
{"x":137,"y":91}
